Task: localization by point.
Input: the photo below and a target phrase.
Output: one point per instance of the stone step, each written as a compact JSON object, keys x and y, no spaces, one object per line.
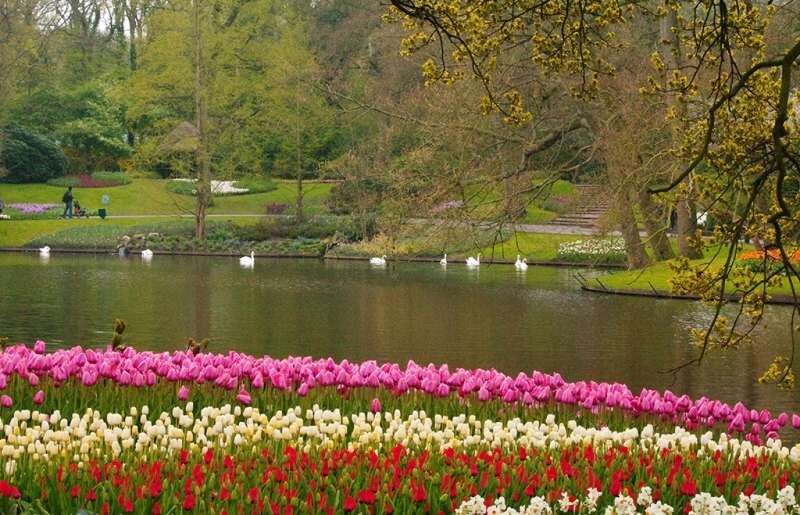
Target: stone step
{"x":590,"y":207}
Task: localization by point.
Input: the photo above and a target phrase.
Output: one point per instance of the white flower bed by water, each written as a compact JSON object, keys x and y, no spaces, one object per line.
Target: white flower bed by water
{"x":593,"y":250}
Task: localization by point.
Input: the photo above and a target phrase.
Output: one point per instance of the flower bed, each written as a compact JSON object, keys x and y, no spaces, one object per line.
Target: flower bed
{"x":105,"y":431}
{"x":766,"y":261}
{"x":594,"y":251}
{"x":32,"y":209}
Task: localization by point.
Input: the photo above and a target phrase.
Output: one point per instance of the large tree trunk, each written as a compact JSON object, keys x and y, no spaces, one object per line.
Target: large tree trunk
{"x":656,"y":230}
{"x":637,"y":257}
{"x":687,"y":226}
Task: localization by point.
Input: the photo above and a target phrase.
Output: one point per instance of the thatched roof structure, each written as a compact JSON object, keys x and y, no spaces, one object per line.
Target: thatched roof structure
{"x":183,"y":138}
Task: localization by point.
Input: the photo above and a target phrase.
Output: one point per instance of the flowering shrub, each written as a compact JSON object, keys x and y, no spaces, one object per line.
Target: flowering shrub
{"x":103,"y":431}
{"x":595,"y":251}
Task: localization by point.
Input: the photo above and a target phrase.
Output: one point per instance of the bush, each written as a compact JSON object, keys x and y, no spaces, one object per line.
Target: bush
{"x":64,"y":182}
{"x":257,"y":185}
{"x":315,"y":228}
{"x":28,"y":157}
{"x":187,"y":187}
{"x":118,"y":178}
{"x":96,"y":180}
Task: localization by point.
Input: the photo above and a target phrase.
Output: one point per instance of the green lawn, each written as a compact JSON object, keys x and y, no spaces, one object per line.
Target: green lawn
{"x":141,"y":197}
{"x":150,"y":197}
{"x":655,"y":277}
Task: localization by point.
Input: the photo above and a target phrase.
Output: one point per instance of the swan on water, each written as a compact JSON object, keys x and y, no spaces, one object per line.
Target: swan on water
{"x":147,"y":254}
{"x":521,"y":265}
{"x":378,"y":260}
{"x":44,"y":250}
{"x":248,"y":260}
{"x":443,"y":261}
{"x":474,"y":262}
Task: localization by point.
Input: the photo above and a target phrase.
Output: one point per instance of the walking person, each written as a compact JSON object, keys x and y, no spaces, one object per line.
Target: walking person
{"x":67,"y":200}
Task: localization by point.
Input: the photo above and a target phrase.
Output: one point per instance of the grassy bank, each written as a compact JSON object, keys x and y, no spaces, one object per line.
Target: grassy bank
{"x":655,"y":279}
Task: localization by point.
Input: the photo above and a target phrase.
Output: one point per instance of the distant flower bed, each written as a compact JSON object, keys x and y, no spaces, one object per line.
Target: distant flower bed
{"x":5,"y":217}
{"x":594,"y":251}
{"x":768,"y":261}
{"x":30,"y":209}
{"x":96,"y":180}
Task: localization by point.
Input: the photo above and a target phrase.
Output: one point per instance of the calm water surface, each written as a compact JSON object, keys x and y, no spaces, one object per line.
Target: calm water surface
{"x":494,"y":317}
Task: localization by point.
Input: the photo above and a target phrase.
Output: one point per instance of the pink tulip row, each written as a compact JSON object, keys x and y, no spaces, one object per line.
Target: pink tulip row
{"x":234,"y":370}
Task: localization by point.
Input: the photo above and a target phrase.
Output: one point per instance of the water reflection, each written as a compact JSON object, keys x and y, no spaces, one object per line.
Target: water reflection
{"x":487,"y":317}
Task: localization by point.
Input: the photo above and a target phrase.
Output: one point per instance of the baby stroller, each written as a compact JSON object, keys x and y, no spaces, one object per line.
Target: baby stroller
{"x":78,"y":211}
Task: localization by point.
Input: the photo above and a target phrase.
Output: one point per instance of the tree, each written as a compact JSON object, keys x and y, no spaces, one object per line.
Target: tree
{"x":29,"y":157}
{"x":241,"y":86}
{"x":729,"y":79}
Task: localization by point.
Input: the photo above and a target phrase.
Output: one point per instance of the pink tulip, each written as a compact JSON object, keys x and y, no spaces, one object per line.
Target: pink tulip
{"x":183,"y":393}
{"x":443,"y":390}
{"x":39,"y":397}
{"x":375,"y":407}
{"x":38,"y":347}
{"x":243,"y":397}
{"x":5,"y":401}
{"x":795,"y":421}
{"x":258,"y":381}
{"x":302,"y":391}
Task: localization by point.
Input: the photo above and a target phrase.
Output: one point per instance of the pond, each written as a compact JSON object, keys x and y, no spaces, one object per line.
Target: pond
{"x":492,"y":317}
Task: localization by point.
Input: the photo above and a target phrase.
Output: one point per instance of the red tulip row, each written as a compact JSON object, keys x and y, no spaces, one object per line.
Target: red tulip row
{"x":283,"y":479}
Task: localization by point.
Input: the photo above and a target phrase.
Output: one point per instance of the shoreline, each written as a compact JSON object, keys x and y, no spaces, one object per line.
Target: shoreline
{"x":777,"y":299}
{"x":329,"y":255}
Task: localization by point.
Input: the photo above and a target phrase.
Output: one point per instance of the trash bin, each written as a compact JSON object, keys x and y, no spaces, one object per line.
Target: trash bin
{"x":101,"y":212}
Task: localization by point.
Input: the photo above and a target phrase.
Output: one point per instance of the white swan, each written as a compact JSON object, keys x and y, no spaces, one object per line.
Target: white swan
{"x":147,"y":254}
{"x":473,"y":262}
{"x":45,"y":251}
{"x":248,"y":260}
{"x":378,"y":260}
{"x":443,"y":261}
{"x":521,"y":265}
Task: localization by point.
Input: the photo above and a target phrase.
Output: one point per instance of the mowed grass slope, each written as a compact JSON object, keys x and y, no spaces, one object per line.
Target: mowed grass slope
{"x":150,"y":197}
{"x":146,"y":198}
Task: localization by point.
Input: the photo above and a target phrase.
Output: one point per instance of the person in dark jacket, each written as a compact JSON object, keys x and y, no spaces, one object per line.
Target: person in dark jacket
{"x":67,"y":200}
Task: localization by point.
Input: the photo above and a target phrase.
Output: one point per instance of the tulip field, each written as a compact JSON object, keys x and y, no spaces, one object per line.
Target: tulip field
{"x":100,"y":431}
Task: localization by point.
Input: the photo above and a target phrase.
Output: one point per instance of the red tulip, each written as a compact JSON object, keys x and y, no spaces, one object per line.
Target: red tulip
{"x":189,"y":502}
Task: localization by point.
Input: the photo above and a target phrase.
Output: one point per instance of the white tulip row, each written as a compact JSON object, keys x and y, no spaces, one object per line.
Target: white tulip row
{"x":92,"y":435}
{"x":702,"y":504}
